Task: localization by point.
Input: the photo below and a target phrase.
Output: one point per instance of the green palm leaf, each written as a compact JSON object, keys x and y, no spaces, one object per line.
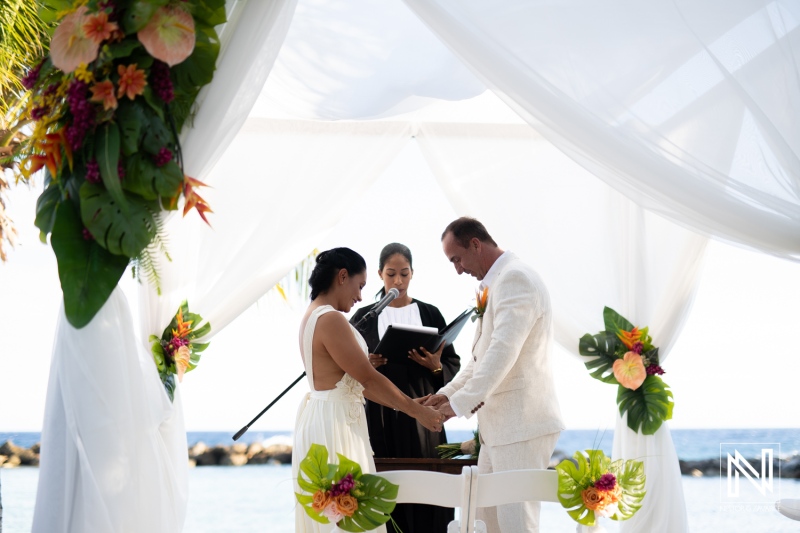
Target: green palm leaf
{"x":648,"y":406}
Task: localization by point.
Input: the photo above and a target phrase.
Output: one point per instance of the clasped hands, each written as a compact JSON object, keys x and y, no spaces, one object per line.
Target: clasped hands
{"x":440,"y":403}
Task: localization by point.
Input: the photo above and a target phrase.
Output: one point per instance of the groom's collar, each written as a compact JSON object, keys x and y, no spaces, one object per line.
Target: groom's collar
{"x":495,"y":269}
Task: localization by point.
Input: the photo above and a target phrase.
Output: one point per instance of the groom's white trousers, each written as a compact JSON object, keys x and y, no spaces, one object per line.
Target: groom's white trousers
{"x":515,"y":517}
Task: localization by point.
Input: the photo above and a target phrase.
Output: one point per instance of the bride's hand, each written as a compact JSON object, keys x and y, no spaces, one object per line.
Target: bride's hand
{"x":431,"y":419}
{"x":431,"y":361}
{"x":377,"y":360}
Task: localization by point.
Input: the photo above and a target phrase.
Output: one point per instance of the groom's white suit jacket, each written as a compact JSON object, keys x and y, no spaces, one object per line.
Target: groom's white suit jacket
{"x":508,"y":381}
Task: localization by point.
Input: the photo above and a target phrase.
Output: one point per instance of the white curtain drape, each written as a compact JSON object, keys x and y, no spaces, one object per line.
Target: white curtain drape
{"x":593,"y":247}
{"x":688,"y":107}
{"x":114,"y":451}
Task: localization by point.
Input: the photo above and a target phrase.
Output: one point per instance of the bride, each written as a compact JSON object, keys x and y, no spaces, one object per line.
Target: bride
{"x":340,"y":375}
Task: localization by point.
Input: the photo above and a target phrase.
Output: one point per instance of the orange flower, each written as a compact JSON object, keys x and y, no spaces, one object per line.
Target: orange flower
{"x":480,"y":301}
{"x":630,"y":337}
{"x":169,"y":35}
{"x":70,"y":45}
{"x":104,"y":92}
{"x":131,"y":81}
{"x":52,"y":158}
{"x":182,"y":361}
{"x":321,"y":500}
{"x":184,"y":328}
{"x":593,"y":498}
{"x":194,"y":200}
{"x":346,"y":504}
{"x":97,"y":27}
{"x":630,"y":371}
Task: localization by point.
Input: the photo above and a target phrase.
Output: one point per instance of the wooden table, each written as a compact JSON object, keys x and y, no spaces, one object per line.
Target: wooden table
{"x":447,"y":466}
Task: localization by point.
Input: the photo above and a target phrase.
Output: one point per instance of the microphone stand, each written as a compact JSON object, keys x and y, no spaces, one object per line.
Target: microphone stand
{"x":371,"y":314}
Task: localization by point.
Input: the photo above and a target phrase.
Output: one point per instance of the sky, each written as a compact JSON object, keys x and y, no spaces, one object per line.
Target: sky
{"x":735,"y":364}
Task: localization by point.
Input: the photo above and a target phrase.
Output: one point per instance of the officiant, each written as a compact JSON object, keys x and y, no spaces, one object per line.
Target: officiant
{"x":392,"y":433}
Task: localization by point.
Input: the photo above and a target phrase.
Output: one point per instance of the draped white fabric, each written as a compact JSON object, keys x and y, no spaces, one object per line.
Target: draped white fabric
{"x":593,"y":247}
{"x":114,"y":450}
{"x":113,"y":446}
{"x":688,"y":107}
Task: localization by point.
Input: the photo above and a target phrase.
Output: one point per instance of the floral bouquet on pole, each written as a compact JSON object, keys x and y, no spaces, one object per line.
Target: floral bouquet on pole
{"x":341,"y":494}
{"x":624,"y":355}
{"x":107,"y":105}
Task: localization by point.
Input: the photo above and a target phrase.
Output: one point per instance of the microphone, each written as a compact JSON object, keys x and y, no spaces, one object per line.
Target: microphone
{"x":375,"y":311}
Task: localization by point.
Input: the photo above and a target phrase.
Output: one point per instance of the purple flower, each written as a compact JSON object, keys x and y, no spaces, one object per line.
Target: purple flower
{"x":344,"y":486}
{"x":82,"y":113}
{"x":38,"y":112}
{"x":161,"y":82}
{"x":93,"y":171}
{"x":606,"y":482}
{"x":164,"y":156}
{"x":87,"y":235}
{"x":637,"y":347}
{"x":654,"y":369}
{"x":32,"y":77}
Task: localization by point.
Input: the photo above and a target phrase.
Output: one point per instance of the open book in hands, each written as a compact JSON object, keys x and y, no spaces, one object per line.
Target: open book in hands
{"x":399,"y":339}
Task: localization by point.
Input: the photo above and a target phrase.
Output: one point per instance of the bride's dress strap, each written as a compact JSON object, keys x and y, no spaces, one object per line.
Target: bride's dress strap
{"x":308,"y":338}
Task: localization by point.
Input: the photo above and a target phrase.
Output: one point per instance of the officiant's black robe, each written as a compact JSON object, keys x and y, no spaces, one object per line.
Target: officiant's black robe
{"x":395,"y":434}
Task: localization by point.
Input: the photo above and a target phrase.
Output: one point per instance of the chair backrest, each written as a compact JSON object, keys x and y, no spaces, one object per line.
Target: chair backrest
{"x":516,"y":486}
{"x":434,"y":488}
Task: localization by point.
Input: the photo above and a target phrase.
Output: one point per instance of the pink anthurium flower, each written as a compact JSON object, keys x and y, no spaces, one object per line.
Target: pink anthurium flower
{"x":182,"y":361}
{"x":169,"y":35}
{"x":70,"y":46}
{"x":630,"y":371}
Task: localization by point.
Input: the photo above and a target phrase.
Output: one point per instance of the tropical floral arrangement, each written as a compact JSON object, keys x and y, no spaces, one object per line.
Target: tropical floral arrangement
{"x":481,"y":299}
{"x":108,"y":104}
{"x":624,"y":355}
{"x":176,"y":351}
{"x":593,"y":486}
{"x":342,"y":494}
{"x":454,"y":450}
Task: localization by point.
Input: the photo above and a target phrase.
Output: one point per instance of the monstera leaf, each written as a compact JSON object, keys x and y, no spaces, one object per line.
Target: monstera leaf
{"x":600,"y":351}
{"x":614,"y":321}
{"x":648,"y":406}
{"x":120,"y":232}
{"x":572,"y":480}
{"x":630,"y":476}
{"x":87,"y":271}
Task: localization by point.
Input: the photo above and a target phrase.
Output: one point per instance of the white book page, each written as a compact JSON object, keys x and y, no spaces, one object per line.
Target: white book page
{"x":420,"y":329}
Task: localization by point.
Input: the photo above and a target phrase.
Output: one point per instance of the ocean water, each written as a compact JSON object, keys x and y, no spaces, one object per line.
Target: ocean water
{"x":259,"y":498}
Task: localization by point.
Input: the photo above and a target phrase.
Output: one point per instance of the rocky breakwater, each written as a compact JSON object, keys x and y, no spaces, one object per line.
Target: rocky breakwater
{"x":12,"y":455}
{"x":240,"y":454}
{"x":789,"y":467}
{"x":237,"y":454}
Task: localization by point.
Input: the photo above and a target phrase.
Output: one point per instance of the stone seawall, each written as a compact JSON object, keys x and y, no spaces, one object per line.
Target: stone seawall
{"x":240,"y":454}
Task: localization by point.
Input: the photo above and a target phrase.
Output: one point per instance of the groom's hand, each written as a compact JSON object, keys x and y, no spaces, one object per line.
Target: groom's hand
{"x":421,"y":400}
{"x":446,"y":410}
{"x":435,"y":400}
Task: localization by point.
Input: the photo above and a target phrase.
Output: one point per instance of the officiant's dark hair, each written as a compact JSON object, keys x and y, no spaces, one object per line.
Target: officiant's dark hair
{"x":388,"y":251}
{"x":465,"y":229}
{"x":329,"y":263}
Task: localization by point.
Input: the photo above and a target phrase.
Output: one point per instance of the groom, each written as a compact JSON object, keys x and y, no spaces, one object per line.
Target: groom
{"x":507,"y":382}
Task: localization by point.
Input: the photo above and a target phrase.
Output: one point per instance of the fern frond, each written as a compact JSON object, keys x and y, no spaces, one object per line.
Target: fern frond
{"x":146,"y":263}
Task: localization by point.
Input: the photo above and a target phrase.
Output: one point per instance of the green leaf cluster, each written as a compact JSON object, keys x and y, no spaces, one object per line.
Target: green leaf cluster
{"x":575,"y":476}
{"x":648,"y":406}
{"x":166,"y":364}
{"x":120,"y":212}
{"x":376,"y":496}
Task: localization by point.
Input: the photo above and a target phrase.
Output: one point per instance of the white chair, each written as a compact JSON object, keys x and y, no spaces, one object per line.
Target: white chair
{"x":789,"y":508}
{"x":499,"y":488}
{"x":436,"y":488}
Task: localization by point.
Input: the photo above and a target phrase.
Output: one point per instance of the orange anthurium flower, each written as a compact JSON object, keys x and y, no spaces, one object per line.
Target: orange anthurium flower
{"x":630,"y":371}
{"x":97,"y":27}
{"x":103,"y":91}
{"x":629,"y":337}
{"x":132,"y":81}
{"x":169,"y":35}
{"x":182,"y":361}
{"x":184,"y":328}
{"x":70,"y":46}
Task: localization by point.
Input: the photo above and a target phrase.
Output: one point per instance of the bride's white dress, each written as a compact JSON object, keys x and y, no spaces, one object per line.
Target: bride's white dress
{"x":333,"y":418}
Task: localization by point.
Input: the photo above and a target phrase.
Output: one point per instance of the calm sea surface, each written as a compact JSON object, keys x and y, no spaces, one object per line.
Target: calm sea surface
{"x":258,"y":498}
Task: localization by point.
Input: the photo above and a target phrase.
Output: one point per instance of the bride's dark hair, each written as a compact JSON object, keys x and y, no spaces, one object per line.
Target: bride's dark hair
{"x":329,"y":263}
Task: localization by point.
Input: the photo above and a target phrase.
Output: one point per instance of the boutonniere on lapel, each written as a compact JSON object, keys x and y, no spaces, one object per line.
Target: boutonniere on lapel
{"x":481,"y":297}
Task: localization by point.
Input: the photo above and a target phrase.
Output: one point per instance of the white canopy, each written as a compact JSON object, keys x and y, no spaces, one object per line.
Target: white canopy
{"x":685,"y":111}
